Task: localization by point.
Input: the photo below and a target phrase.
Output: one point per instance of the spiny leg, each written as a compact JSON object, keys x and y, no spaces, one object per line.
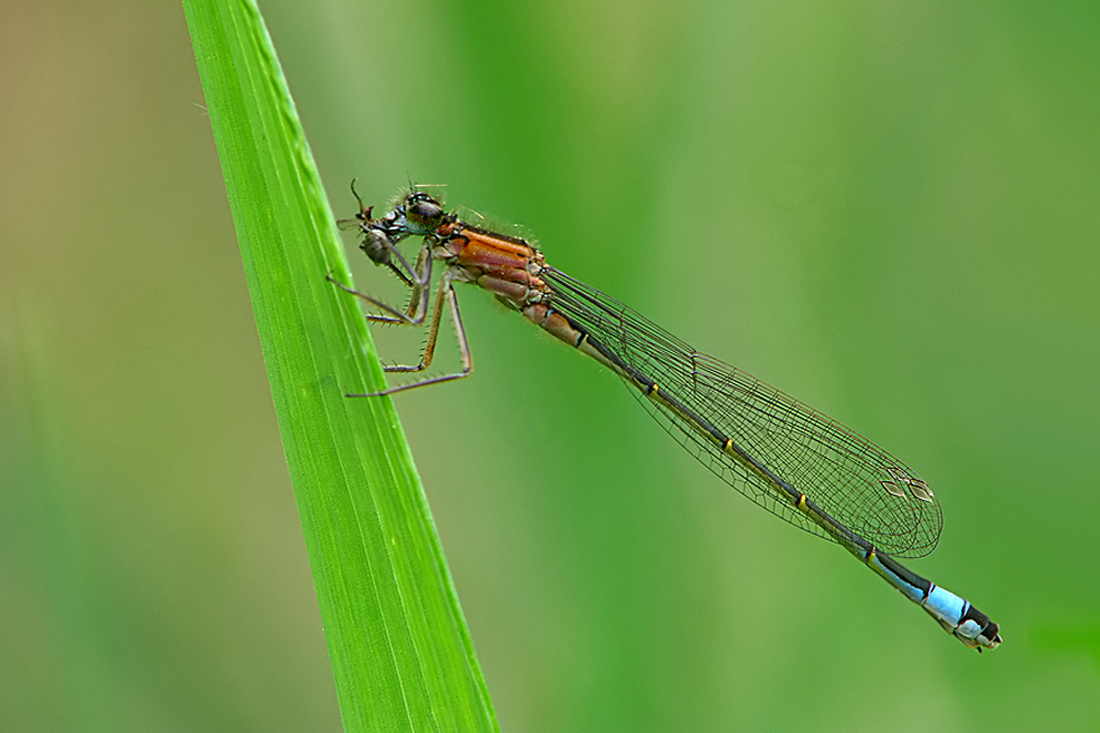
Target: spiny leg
{"x":417,"y":306}
{"x":446,"y":292}
{"x":433,"y":332}
{"x":414,"y":313}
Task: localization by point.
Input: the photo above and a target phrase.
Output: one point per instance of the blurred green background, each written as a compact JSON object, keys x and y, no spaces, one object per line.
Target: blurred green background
{"x":889,"y":211}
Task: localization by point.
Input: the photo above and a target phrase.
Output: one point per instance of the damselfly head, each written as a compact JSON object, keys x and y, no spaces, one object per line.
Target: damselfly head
{"x":423,"y":214}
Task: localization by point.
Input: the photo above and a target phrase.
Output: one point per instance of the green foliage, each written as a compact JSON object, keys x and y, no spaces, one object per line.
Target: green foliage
{"x":400,"y":651}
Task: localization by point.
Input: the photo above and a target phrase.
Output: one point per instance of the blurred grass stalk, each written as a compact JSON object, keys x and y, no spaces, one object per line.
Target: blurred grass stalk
{"x":401,"y":653}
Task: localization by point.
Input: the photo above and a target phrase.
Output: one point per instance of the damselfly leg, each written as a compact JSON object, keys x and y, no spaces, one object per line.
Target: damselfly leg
{"x":446,"y":292}
{"x":417,"y":308}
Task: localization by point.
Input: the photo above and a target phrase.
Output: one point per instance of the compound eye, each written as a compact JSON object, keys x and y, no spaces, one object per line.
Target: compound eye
{"x":423,"y":212}
{"x":376,"y":245}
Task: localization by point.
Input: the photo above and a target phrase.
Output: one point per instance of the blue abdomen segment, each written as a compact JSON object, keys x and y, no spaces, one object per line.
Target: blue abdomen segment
{"x":954,"y":613}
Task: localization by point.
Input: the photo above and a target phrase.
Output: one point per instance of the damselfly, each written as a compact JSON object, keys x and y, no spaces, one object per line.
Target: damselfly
{"x":783,"y":455}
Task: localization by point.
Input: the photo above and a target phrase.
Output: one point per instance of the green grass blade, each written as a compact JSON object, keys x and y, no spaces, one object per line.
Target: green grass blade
{"x":401,"y":653}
